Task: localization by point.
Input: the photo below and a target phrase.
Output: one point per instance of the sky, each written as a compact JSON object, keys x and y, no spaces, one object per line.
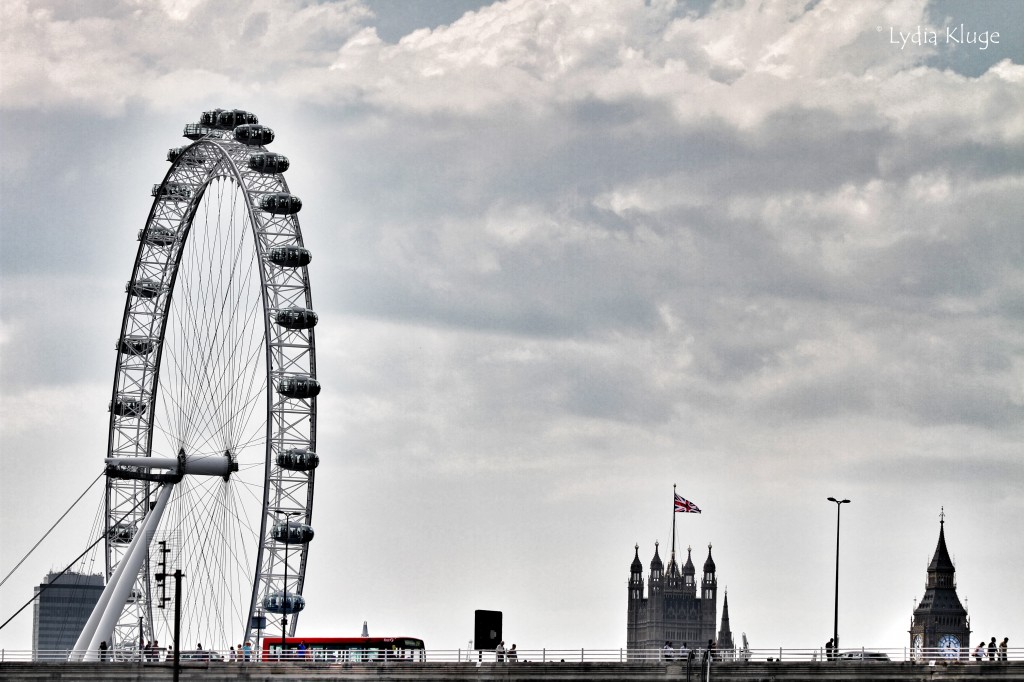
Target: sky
{"x":565,"y":255}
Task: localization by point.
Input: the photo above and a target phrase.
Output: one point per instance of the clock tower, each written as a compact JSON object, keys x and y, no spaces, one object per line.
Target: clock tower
{"x":940,"y":627}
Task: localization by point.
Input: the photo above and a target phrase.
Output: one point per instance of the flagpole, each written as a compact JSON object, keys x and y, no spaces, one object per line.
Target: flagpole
{"x":673,"y":522}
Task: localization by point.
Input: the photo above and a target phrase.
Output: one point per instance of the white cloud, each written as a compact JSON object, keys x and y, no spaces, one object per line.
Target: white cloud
{"x":161,"y":52}
{"x":564,"y":252}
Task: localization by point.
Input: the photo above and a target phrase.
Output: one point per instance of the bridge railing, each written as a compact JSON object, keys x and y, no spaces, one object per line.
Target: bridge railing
{"x":544,"y":655}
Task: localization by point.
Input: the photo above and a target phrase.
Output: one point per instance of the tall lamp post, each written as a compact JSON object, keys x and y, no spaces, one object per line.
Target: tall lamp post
{"x":835,"y":621}
{"x":284,"y":588}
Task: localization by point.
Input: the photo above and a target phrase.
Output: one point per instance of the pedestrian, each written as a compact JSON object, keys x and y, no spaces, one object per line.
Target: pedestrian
{"x":667,"y":650}
{"x":992,"y":649}
{"x":1003,"y":647}
{"x":512,"y":655}
{"x":103,"y":651}
{"x":829,"y":650}
{"x":156,"y":650}
{"x":499,"y":651}
{"x":302,"y":650}
{"x":247,"y":651}
{"x":684,"y":653}
{"x":231,"y":654}
{"x":979,"y":653}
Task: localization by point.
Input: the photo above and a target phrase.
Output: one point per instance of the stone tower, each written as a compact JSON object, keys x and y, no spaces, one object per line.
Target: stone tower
{"x":940,"y":627}
{"x":636,"y":612}
{"x":709,"y":596}
{"x":673,"y":611}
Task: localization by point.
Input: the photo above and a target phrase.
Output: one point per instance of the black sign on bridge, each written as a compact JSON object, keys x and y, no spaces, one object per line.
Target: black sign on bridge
{"x":486,"y":629}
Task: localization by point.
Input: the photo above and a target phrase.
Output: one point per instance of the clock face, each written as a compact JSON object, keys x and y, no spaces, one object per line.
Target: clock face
{"x":949,"y":644}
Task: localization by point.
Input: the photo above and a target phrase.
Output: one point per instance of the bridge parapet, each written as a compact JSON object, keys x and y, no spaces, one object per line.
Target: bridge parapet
{"x":749,"y":671}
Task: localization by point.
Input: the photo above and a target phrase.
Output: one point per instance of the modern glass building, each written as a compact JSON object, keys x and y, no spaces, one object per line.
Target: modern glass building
{"x":62,"y":606}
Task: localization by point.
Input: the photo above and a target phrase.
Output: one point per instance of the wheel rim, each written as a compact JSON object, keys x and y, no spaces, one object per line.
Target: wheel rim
{"x":216,"y":359}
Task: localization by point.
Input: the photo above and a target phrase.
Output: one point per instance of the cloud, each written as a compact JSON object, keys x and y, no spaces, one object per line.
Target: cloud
{"x":563,"y":252}
{"x":104,"y":57}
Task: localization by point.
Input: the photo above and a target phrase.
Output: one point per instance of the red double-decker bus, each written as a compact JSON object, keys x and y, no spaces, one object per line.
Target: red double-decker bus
{"x":343,"y":649}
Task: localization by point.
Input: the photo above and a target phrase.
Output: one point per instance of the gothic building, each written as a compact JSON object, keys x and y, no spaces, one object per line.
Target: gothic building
{"x":940,"y":627}
{"x":673,"y":610}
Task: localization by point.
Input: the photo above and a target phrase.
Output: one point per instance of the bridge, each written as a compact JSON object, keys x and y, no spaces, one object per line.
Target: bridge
{"x":646,"y":671}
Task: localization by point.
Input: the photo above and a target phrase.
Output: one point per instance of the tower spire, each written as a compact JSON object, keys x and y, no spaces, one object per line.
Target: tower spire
{"x":940,"y":621}
{"x":725,"y":633}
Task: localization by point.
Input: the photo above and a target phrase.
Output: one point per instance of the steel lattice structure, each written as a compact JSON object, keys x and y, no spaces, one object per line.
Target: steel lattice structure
{"x":216,"y":362}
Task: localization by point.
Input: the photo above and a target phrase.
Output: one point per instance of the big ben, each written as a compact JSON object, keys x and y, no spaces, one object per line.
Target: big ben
{"x":940,"y":627}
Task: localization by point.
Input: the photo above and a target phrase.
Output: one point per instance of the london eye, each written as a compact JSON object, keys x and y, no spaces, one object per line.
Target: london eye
{"x":212,"y":433}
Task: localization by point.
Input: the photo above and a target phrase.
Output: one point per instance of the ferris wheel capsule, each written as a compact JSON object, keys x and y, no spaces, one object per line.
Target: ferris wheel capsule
{"x":254,"y":135}
{"x":189,"y":159}
{"x":299,"y":387}
{"x":173,"y":191}
{"x":126,"y":406}
{"x":296,"y":318}
{"x":144,"y":288}
{"x":229,"y":120}
{"x":292,"y":533}
{"x":121,"y":533}
{"x":269,"y":162}
{"x":136,"y":345}
{"x":158,"y":235}
{"x":283,"y":603}
{"x":196,"y":131}
{"x":209,"y":118}
{"x":290,"y":256}
{"x":281,"y":203}
{"x":298,"y":459}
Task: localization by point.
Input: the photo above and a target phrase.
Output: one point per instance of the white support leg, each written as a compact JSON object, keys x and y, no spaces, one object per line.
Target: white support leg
{"x":101,"y":622}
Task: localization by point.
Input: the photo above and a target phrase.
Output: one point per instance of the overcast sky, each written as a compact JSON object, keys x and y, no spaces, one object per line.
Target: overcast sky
{"x":566,"y":254}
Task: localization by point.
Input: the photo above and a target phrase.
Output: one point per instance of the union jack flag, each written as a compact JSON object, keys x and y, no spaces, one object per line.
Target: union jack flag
{"x":685,"y":505}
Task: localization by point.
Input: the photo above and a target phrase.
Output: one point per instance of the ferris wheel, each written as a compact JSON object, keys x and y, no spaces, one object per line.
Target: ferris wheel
{"x":212,"y":438}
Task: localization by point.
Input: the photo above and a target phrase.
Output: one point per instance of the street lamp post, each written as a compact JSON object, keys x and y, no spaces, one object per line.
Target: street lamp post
{"x":284,"y":587}
{"x":835,"y":621}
